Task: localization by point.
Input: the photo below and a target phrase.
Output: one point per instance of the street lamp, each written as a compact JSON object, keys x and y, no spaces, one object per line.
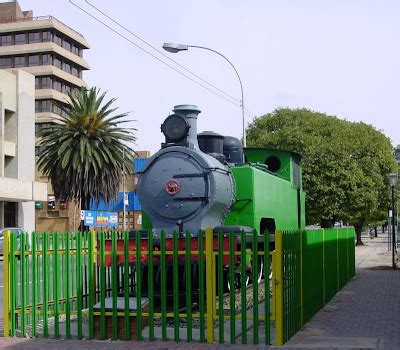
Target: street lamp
{"x":175,"y":48}
{"x":393,"y":184}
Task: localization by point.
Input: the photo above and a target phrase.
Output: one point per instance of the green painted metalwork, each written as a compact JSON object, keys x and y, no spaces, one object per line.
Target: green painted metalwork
{"x":317,"y":264}
{"x":114,"y":291}
{"x":201,"y":286}
{"x":34,"y":286}
{"x":220,"y":284}
{"x":56,"y":284}
{"x":27,"y":274}
{"x":255,"y":271}
{"x":138,"y":288}
{"x":127,"y":320}
{"x":79,"y":282}
{"x":280,"y":207}
{"x":22,"y":282}
{"x":163,"y":288}
{"x":91,"y":281}
{"x":232,"y":306}
{"x":267,"y":333}
{"x":151,"y":288}
{"x":176,"y":277}
{"x":188,"y":278}
{"x":102,"y":287}
{"x":13,"y":286}
{"x":66,"y":266}
{"x":243,"y":285}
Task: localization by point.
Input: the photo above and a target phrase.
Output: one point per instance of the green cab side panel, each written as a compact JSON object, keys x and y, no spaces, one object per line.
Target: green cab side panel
{"x":284,"y":164}
{"x":262,"y":195}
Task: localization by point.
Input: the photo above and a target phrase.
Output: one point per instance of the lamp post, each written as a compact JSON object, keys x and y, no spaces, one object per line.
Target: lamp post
{"x":175,"y":48}
{"x":393,"y":184}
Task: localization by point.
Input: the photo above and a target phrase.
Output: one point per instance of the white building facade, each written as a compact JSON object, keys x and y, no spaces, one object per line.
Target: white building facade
{"x":18,"y":188}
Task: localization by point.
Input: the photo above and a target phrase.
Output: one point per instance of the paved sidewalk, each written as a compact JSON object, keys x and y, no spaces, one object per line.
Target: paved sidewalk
{"x":366,"y":313}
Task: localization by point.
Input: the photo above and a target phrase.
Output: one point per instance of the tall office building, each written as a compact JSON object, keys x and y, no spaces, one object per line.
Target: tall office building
{"x":18,"y":188}
{"x":53,"y":53}
{"x":46,"y":48}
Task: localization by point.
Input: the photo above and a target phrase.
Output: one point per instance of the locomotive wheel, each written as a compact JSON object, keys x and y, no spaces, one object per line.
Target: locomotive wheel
{"x":248,"y":279}
{"x":260,"y":273}
{"x":238,"y":280}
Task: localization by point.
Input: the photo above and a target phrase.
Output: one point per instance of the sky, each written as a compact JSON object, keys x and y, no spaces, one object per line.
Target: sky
{"x":340,"y":57}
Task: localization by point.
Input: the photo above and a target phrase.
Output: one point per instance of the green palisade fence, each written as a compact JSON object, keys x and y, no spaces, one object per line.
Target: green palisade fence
{"x":116,"y":285}
{"x":316,"y":264}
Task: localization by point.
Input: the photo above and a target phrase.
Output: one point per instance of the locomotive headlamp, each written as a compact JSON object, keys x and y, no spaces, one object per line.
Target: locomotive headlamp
{"x":175,"y":128}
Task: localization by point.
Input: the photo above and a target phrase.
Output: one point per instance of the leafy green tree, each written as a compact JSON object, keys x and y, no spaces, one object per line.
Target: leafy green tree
{"x":345,"y":164}
{"x":86,"y":154}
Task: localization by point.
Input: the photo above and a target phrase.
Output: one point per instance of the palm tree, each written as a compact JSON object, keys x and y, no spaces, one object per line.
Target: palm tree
{"x":87,"y":153}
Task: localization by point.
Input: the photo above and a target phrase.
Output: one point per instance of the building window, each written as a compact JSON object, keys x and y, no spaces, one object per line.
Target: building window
{"x":57,"y":85}
{"x":67,"y":67}
{"x":34,"y":60}
{"x":42,"y":128}
{"x":67,"y":45}
{"x":75,"y":49}
{"x":46,"y":106}
{"x":57,"y":109}
{"x":46,"y":83}
{"x":34,"y":38}
{"x":20,"y":39}
{"x":37,"y":83}
{"x":6,"y":40}
{"x":47,"y":36}
{"x":46,"y":59}
{"x":57,"y":62}
{"x":19,"y":61}
{"x":5,"y":62}
{"x":58,"y":40}
{"x":37,"y":106}
{"x":74,"y":71}
{"x":66,"y":89}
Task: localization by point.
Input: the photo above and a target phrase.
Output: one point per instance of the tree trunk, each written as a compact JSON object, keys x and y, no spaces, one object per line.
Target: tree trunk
{"x":358,"y":229}
{"x":376,"y":231}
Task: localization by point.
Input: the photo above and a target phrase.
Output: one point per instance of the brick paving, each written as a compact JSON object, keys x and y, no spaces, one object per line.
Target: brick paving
{"x":364,"y":315}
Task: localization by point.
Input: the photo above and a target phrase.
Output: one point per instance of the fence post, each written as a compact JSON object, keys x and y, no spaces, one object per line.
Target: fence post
{"x":6,"y":289}
{"x":323,"y":268}
{"x":302,"y":233}
{"x":209,"y":285}
{"x":278,"y":272}
{"x":337,"y":261}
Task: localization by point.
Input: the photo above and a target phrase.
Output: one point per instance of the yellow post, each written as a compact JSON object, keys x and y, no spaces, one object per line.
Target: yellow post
{"x":94,"y":257}
{"x":279,"y":288}
{"x":209,"y":285}
{"x":6,"y":288}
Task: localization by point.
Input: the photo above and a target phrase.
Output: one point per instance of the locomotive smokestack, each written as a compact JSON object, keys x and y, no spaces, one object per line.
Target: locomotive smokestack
{"x":190,"y":113}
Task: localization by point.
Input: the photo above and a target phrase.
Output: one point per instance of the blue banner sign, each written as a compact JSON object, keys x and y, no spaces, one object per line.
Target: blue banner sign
{"x":100,"y":218}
